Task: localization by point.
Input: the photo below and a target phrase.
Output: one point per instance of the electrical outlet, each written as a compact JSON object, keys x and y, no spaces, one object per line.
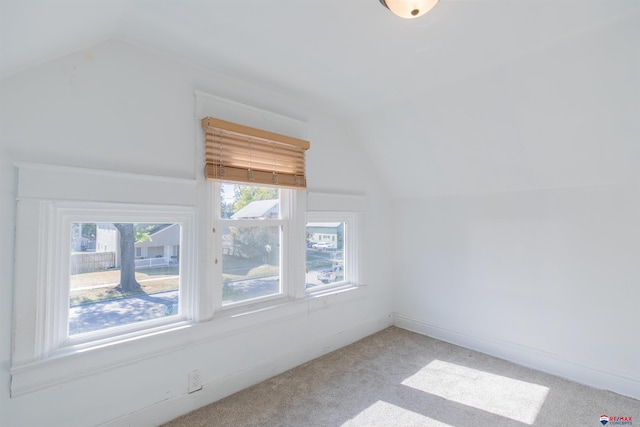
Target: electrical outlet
{"x":194,"y":381}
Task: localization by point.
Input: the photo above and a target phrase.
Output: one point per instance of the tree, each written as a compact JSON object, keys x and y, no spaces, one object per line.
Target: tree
{"x":128,"y":282}
{"x":252,"y":242}
{"x":143,"y":232}
{"x":83,"y":234}
{"x":89,"y":231}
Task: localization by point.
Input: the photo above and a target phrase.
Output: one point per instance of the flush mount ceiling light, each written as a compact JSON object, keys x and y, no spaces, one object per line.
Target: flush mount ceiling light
{"x":409,"y":8}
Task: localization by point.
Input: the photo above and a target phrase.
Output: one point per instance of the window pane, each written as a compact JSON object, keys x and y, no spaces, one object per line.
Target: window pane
{"x":325,"y":253}
{"x":122,"y":273}
{"x":239,"y":201}
{"x":250,"y":263}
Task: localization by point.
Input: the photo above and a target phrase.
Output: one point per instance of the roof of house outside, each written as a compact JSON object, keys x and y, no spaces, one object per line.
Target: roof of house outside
{"x":158,"y":228}
{"x":257,"y":209}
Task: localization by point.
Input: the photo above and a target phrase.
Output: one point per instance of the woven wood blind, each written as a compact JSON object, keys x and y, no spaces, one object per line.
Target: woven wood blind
{"x":240,"y":153}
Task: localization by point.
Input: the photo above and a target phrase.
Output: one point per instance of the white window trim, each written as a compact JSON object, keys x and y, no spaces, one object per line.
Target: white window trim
{"x":41,"y":354}
{"x":49,"y":272}
{"x":62,"y":215}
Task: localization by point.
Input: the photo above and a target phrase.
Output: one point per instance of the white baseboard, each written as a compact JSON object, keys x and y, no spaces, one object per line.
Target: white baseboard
{"x":169,"y":409}
{"x":551,"y":363}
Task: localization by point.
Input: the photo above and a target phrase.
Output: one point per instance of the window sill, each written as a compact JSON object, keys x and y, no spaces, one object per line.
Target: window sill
{"x":333,"y":289}
{"x":254,"y":308}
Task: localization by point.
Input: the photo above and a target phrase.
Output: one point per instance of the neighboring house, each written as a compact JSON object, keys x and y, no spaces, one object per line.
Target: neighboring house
{"x":260,"y":209}
{"x":80,"y":243}
{"x":94,"y":254}
{"x":330,"y":233}
{"x":107,"y":238}
{"x":163,"y":247}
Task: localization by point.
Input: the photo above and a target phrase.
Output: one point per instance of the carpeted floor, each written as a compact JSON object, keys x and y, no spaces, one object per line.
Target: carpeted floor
{"x":399,"y":378}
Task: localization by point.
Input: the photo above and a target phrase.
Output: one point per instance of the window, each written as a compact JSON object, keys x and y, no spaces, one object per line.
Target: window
{"x":70,"y":320}
{"x":90,"y":285}
{"x":256,"y":207}
{"x":331,"y":254}
{"x":252,"y":226}
{"x":325,"y":253}
{"x":109,"y":286}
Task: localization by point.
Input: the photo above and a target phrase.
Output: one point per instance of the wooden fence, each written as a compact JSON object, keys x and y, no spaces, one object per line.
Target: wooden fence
{"x":151,"y":263}
{"x":92,"y":261}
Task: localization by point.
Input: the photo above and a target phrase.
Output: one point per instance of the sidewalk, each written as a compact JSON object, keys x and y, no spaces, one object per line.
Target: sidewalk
{"x":123,"y":311}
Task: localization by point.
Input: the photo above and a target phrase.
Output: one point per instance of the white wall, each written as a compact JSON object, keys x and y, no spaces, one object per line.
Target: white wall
{"x":518,"y":231}
{"x":546,"y":278}
{"x":123,"y":108}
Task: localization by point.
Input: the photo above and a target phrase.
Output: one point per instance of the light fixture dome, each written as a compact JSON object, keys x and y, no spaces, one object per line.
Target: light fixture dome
{"x":409,"y":9}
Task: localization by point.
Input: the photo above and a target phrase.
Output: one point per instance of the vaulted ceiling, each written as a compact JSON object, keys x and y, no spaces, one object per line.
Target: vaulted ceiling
{"x":355,"y":58}
{"x":351,"y":55}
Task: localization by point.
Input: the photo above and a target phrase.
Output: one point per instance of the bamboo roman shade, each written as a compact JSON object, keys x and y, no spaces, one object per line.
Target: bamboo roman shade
{"x":240,"y":153}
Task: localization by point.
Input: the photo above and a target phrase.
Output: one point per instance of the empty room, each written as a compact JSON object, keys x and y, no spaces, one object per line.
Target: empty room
{"x":319,"y":213}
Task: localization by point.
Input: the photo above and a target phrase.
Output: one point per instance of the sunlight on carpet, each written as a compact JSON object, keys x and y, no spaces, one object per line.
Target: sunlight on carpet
{"x":381,"y":413}
{"x":514,"y":399}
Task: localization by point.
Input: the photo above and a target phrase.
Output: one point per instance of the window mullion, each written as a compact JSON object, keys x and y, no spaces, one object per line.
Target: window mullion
{"x":297,"y":203}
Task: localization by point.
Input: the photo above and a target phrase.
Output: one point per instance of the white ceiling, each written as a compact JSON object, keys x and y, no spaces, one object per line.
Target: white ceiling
{"x":347,"y":55}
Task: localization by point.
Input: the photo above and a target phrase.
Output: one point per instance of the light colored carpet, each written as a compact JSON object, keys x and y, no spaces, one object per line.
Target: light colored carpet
{"x":399,"y":378}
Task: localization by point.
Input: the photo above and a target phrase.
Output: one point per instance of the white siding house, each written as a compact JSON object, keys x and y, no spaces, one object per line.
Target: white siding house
{"x":163,"y":245}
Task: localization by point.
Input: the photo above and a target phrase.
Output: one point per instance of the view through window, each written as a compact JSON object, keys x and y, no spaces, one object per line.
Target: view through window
{"x":325,"y":253}
{"x":122,"y":273}
{"x":251,"y":242}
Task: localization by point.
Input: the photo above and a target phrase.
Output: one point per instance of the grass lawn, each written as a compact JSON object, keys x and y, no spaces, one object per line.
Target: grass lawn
{"x":100,"y":285}
{"x":264,"y":270}
{"x":237,"y":268}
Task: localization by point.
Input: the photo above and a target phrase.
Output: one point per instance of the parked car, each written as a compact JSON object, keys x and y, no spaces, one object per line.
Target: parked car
{"x":335,"y":274}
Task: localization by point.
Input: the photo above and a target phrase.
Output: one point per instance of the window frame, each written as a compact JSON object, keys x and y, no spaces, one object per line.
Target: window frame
{"x":292,"y":212}
{"x":53,"y":325}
